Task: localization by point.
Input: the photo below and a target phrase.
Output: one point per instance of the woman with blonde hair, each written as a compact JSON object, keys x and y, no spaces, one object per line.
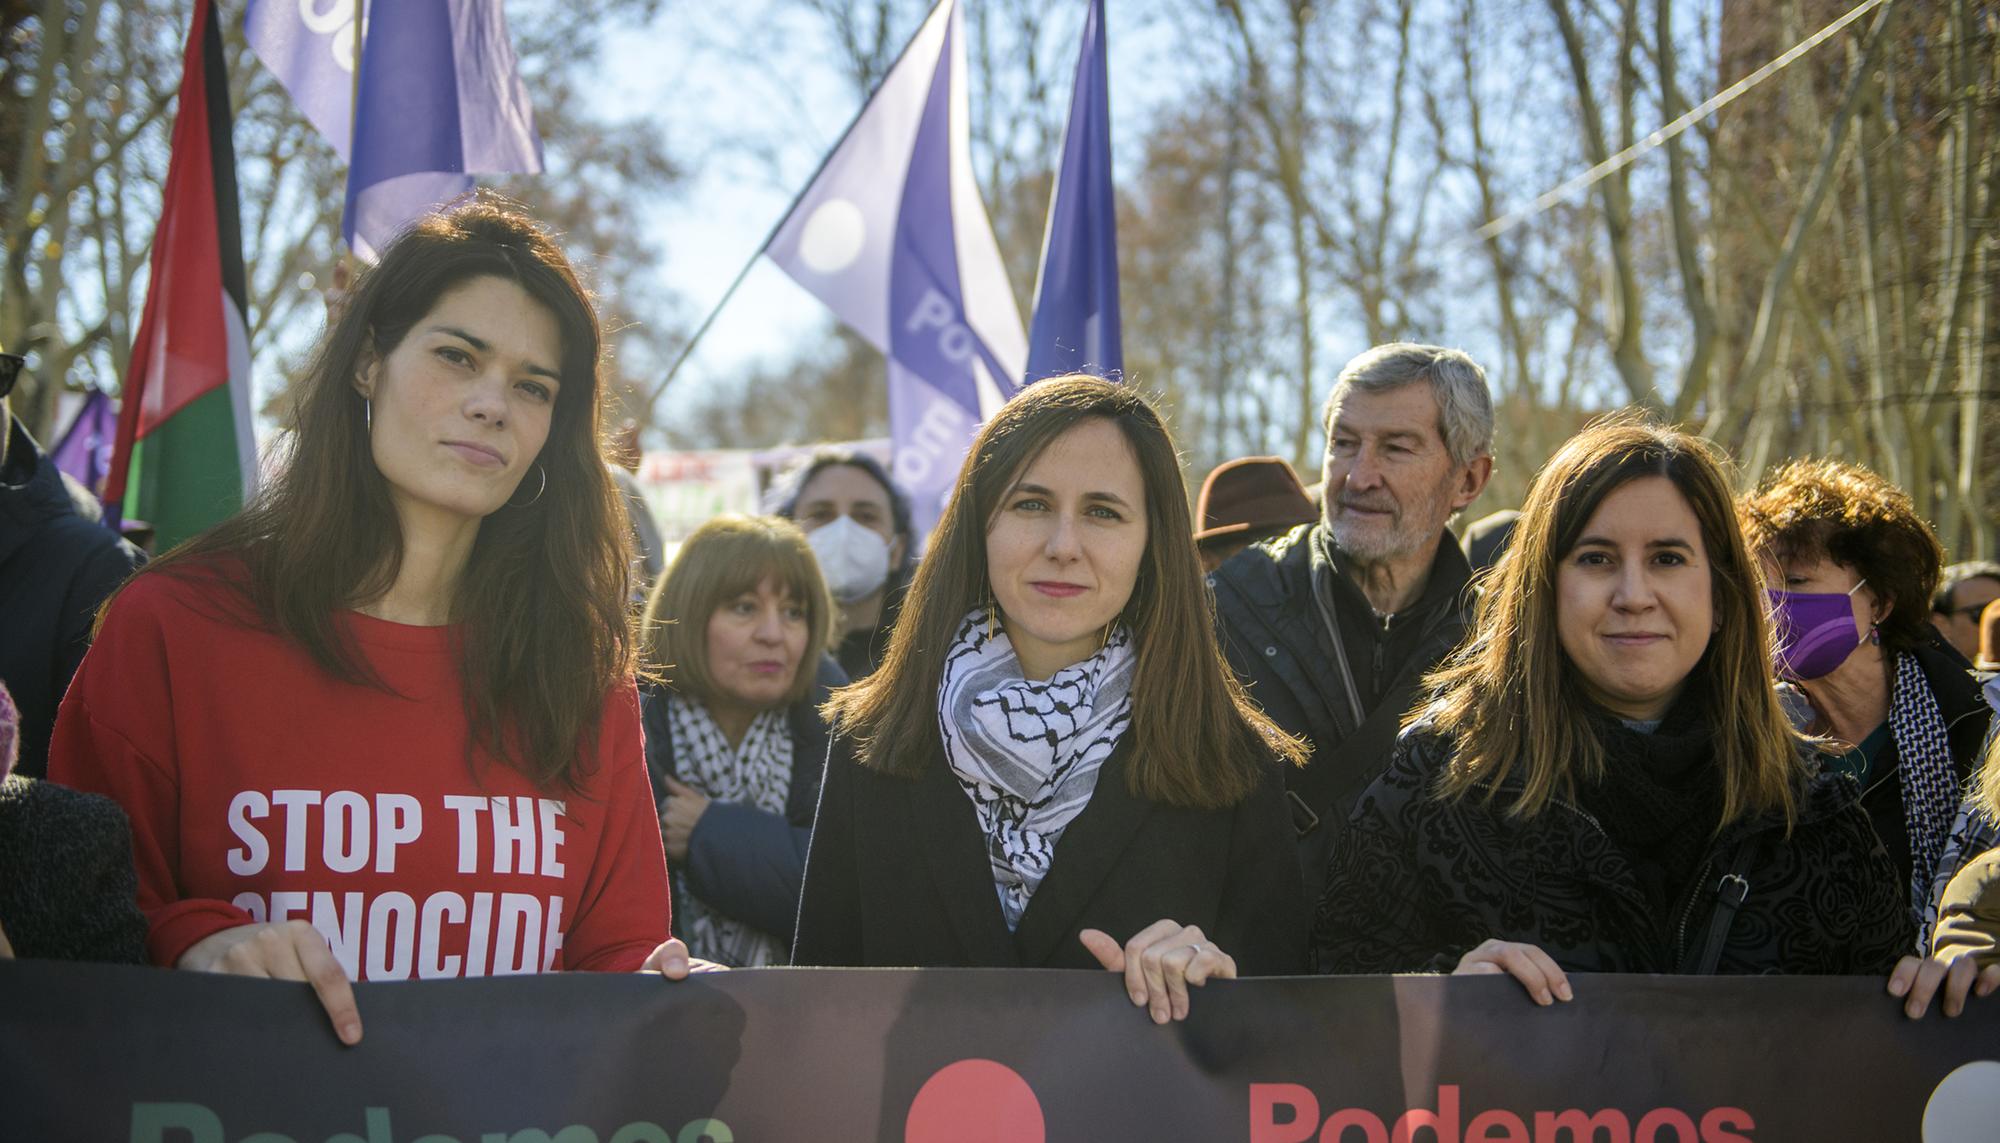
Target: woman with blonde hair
{"x":1055,"y":758}
{"x":1605,"y":781}
{"x":738,"y":629}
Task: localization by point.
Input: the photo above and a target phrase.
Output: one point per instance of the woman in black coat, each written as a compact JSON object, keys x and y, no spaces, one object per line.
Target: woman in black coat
{"x":1054,"y":757}
{"x":738,"y":628}
{"x":1605,"y":781}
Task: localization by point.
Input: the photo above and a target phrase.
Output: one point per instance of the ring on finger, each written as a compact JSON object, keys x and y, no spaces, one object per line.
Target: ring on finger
{"x":1196,"y":948}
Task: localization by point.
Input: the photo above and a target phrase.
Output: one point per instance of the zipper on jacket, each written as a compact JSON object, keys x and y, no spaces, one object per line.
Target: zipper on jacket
{"x":1579,"y":811}
{"x":1687,"y":911}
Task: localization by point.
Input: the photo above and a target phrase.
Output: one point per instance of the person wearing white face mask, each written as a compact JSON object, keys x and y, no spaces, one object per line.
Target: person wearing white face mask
{"x":858,"y":522}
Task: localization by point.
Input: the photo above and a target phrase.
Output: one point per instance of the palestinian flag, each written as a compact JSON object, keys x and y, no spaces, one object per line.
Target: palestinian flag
{"x":186,"y":457}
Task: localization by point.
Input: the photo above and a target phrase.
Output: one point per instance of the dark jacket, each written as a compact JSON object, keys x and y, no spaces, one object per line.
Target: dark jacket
{"x":58,"y":562}
{"x":67,"y":887}
{"x":741,"y":860}
{"x":899,"y":876}
{"x":1415,"y":881}
{"x":861,"y":652}
{"x":1965,"y":718}
{"x":1277,"y":638}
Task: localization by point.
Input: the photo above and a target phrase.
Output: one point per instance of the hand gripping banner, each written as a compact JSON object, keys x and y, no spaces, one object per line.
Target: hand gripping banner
{"x":153,"y":1056}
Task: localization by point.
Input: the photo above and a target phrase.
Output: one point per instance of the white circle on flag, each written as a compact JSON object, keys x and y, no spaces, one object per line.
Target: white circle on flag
{"x":1965,"y":1106}
{"x":833,"y":236}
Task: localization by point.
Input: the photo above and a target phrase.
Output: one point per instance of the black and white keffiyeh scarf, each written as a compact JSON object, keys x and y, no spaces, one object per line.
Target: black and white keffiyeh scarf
{"x":1930,"y":790}
{"x":1973,"y":831}
{"x":1028,"y":752}
{"x":758,"y":773}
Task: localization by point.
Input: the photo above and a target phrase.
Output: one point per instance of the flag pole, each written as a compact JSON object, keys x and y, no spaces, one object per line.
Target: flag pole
{"x":687,"y":348}
{"x":353,"y":125}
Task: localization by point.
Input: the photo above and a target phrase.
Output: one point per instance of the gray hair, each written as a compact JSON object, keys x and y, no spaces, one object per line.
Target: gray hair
{"x":1465,"y":404}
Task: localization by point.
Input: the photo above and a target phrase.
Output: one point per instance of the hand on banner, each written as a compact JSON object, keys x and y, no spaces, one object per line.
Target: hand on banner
{"x":1536,"y":970}
{"x":287,"y":950}
{"x":685,"y":805}
{"x":1160,"y":963}
{"x":1916,"y":981}
{"x":672,"y":961}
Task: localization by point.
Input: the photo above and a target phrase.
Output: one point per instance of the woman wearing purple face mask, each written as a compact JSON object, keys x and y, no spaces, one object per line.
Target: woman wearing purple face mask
{"x":1853,"y":567}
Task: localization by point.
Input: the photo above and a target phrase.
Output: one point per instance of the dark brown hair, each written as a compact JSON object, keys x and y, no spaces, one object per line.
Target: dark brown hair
{"x":1198,"y":741}
{"x":1845,"y":513}
{"x":1510,"y":697}
{"x":542,"y":601}
{"x":724,"y":558}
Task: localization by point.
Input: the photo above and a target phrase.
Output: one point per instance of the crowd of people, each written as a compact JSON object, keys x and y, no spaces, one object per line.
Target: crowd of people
{"x":400,"y":718}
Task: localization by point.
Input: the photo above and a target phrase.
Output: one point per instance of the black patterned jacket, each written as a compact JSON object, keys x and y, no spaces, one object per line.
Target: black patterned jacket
{"x":1416,"y":881}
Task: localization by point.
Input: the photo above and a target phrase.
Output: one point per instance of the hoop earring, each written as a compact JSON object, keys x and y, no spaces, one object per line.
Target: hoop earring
{"x":992,"y":614}
{"x":368,"y":416}
{"x":544,"y":487}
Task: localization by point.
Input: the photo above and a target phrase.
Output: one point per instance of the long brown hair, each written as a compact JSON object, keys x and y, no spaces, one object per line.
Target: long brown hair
{"x":1510,"y":697}
{"x":1198,"y":741}
{"x":724,"y":558}
{"x":542,"y":601}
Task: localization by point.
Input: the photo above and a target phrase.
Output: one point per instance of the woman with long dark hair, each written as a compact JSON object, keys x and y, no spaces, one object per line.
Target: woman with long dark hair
{"x":1605,"y":781}
{"x":381,"y":723}
{"x":1054,"y":757}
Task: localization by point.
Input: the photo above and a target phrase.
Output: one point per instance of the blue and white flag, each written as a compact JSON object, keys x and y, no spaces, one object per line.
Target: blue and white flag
{"x":1075,"y":326}
{"x":440,"y":99}
{"x":893,"y":236}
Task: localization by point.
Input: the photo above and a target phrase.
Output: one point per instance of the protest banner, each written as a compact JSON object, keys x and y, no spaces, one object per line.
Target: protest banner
{"x":96,"y":1052}
{"x":685,"y":490}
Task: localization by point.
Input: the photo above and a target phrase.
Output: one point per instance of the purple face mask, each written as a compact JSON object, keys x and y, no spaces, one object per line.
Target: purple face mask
{"x":1816,"y":631}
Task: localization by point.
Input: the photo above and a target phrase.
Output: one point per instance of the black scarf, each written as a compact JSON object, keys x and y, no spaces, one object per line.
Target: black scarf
{"x":1660,"y":799}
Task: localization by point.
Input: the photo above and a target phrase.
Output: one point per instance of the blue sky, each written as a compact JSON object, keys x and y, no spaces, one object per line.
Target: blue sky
{"x":752,"y":102}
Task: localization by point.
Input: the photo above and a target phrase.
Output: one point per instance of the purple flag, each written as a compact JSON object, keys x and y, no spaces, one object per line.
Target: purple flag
{"x":893,"y":237}
{"x":439,"y":99}
{"x":84,"y":451}
{"x":1075,"y":326}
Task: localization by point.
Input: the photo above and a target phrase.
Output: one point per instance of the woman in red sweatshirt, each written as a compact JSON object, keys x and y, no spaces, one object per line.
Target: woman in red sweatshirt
{"x":381,"y":725}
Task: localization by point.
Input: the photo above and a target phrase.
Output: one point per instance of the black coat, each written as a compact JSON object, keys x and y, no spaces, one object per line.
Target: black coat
{"x":67,"y":887}
{"x":58,"y":562}
{"x":899,"y":876}
{"x":1415,"y":881}
{"x":1281,"y":647}
{"x":741,"y":860}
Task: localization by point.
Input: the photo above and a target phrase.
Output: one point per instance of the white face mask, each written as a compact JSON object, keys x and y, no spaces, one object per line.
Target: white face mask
{"x":854,"y":559}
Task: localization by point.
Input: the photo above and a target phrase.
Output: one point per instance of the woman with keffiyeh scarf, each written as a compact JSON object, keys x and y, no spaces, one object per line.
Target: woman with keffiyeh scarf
{"x":1054,"y":766}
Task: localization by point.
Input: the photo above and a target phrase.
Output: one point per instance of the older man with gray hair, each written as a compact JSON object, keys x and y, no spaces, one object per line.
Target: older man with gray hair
{"x":1332,"y":625}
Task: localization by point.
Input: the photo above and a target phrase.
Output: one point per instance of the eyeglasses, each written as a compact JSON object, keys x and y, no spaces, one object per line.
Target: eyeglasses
{"x":10,"y":369}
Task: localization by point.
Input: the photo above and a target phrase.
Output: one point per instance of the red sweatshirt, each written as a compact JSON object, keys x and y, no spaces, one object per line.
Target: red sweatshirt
{"x":262,"y":789}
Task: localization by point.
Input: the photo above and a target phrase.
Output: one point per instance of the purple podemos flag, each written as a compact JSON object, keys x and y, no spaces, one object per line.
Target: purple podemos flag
{"x":893,"y":236}
{"x":1075,"y":326}
{"x":85,"y":448}
{"x":439,"y":99}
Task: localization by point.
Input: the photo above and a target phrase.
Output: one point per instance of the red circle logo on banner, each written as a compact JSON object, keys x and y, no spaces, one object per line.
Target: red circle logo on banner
{"x":975,"y":1101}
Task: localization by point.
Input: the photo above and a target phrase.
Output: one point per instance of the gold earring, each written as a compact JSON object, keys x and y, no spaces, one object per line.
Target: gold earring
{"x":992,"y":615}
